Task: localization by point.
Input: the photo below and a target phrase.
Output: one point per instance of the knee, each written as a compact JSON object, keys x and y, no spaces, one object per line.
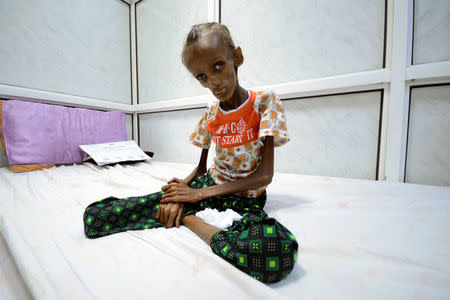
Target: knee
{"x":266,"y":257}
{"x":274,"y":261}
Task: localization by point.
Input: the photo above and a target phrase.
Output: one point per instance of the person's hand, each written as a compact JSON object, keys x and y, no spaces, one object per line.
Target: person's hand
{"x":170,"y":213}
{"x":164,"y":188}
{"x":179,"y":191}
{"x":174,"y":179}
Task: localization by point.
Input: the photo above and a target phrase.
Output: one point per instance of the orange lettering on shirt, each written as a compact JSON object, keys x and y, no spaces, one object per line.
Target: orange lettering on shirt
{"x":235,"y":128}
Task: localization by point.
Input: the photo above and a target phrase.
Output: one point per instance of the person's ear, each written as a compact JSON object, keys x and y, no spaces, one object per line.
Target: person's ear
{"x":238,"y":57}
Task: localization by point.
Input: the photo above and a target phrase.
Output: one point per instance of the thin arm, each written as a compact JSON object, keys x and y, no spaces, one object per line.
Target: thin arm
{"x":261,"y":177}
{"x":200,"y":169}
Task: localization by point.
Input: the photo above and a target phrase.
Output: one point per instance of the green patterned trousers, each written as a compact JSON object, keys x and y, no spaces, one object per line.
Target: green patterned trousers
{"x":258,"y":245}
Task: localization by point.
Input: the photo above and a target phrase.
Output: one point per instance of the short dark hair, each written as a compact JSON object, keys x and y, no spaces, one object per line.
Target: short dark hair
{"x":200,"y":31}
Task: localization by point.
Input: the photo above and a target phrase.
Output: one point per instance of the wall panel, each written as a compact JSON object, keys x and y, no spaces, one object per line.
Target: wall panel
{"x":428,"y":156}
{"x":293,"y":40}
{"x":332,"y":136}
{"x":167,"y":135}
{"x":162,"y":27}
{"x":73,"y":47}
{"x":431,"y":31}
{"x":129,"y":124}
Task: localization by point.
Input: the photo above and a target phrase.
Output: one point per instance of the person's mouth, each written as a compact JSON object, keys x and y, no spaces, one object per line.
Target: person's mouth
{"x":219,"y":92}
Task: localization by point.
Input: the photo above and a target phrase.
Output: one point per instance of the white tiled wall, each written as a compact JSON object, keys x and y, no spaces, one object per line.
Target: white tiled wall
{"x":290,"y":40}
{"x":72,"y":47}
{"x":431,"y":31}
{"x":331,"y":135}
{"x":162,"y":27}
{"x":129,"y":124}
{"x":428,"y":156}
{"x":167,"y":135}
{"x":83,"y":48}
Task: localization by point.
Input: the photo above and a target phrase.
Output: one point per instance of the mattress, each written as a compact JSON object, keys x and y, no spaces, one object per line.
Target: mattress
{"x":12,"y":286}
{"x":358,"y":239}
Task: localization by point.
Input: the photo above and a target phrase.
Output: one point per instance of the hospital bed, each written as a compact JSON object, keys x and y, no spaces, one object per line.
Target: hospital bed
{"x":358,"y":239}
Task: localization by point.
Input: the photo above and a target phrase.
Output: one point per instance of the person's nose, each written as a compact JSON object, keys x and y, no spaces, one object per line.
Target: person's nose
{"x":215,"y":81}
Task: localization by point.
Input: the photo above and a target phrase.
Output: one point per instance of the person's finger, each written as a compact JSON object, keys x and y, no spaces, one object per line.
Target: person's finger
{"x":165,"y":196}
{"x":166,"y":215}
{"x":172,"y":216}
{"x":170,"y":185}
{"x":171,"y":199}
{"x":178,"y":220}
{"x":174,"y":180}
{"x":176,"y":185}
{"x":169,"y":195}
{"x":161,"y":216}
{"x":168,"y":191}
{"x":171,"y":188}
{"x":164,"y":188}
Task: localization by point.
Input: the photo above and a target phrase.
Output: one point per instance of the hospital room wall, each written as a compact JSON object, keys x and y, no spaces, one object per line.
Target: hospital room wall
{"x":78,"y":47}
{"x":79,"y":54}
{"x":75,"y":53}
{"x":428,"y":141}
{"x":338,"y":134}
{"x":273,"y":54}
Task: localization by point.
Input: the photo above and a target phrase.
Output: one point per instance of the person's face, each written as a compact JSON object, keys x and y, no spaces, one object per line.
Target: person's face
{"x":213,"y":64}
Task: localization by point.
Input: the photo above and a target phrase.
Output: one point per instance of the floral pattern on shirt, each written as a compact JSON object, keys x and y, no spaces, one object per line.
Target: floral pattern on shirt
{"x":240,"y":161}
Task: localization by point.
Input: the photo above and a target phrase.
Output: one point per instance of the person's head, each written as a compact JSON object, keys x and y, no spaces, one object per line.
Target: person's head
{"x":211,"y":56}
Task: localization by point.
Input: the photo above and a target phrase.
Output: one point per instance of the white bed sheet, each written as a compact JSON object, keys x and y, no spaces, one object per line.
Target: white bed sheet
{"x":12,"y":286}
{"x":358,"y":239}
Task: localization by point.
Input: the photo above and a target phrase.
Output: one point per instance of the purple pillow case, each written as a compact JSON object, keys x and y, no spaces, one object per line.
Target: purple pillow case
{"x":36,"y":133}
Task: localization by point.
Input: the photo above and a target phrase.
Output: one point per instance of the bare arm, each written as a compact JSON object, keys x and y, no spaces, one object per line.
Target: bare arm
{"x":262,"y":176}
{"x":200,"y":169}
{"x":179,"y":192}
{"x":170,"y":213}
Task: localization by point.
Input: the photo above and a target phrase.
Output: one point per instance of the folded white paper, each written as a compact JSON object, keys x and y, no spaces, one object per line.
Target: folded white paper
{"x":110,"y":153}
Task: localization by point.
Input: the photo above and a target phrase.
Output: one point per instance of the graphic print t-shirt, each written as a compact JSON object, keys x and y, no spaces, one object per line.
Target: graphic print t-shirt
{"x":239,"y":136}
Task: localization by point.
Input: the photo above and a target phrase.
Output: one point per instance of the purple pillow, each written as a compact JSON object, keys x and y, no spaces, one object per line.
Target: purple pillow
{"x":36,"y":133}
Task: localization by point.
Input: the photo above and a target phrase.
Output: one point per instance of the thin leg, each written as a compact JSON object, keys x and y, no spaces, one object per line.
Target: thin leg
{"x":203,"y":230}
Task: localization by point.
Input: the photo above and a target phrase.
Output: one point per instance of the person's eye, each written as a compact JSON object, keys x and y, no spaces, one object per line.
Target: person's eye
{"x":200,"y":77}
{"x":218,"y":65}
